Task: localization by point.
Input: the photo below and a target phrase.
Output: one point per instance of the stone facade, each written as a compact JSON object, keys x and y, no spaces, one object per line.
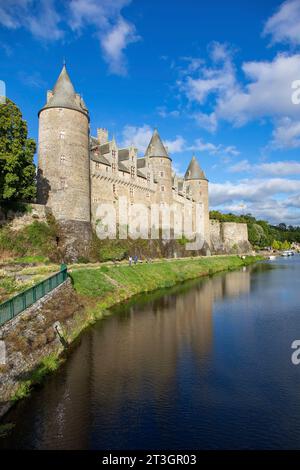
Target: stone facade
{"x":77,"y":173}
{"x":20,"y":219}
{"x":229,"y":236}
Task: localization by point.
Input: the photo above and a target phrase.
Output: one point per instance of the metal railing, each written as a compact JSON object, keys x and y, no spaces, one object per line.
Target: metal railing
{"x":12,"y":307}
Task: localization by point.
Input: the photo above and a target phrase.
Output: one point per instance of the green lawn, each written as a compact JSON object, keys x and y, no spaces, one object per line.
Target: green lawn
{"x":146,"y":277}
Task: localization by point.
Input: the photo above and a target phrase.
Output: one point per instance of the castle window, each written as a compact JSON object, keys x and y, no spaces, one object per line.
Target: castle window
{"x":132,"y":172}
{"x":97,"y":165}
{"x":113,"y":152}
{"x":162,"y":174}
{"x":63,"y":183}
{"x":113,"y":167}
{"x":107,"y":169}
{"x":62,"y":158}
{"x":62,"y":135}
{"x":114,"y":189}
{"x":148,"y":178}
{"x":162,"y":188}
{"x":131,"y":192}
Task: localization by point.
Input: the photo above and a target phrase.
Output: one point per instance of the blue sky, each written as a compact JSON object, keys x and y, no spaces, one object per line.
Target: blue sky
{"x":215,"y":77}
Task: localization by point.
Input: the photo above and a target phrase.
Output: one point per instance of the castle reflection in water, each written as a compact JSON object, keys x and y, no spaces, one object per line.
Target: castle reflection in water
{"x":131,"y":358}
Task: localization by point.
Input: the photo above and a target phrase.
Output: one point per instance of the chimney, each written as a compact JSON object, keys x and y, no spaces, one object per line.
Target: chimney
{"x":102,"y":135}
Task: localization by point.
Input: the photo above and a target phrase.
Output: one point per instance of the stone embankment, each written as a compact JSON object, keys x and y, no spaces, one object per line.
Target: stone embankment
{"x":34,"y":335}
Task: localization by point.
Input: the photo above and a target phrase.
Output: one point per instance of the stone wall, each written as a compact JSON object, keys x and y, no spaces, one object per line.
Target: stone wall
{"x":229,"y":237}
{"x":63,"y":163}
{"x":32,"y":335}
{"x":20,"y":219}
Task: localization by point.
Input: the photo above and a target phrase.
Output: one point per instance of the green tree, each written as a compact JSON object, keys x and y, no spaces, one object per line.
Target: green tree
{"x":276,"y":245}
{"x":17,"y":170}
{"x":285,"y":245}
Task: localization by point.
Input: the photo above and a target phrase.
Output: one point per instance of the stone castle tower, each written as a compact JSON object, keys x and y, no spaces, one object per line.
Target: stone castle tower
{"x":63,"y":178}
{"x":63,"y":157}
{"x":198,"y":185}
{"x":161,"y":166}
{"x":77,"y":172}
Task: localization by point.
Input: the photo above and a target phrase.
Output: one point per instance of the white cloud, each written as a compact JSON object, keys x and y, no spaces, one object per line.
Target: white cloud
{"x":274,"y":199}
{"x":104,"y":17}
{"x":252,"y":189}
{"x":213,"y":149}
{"x":284,"y":25}
{"x":177,"y":145}
{"x":137,"y":136}
{"x":208,"y":122}
{"x":164,"y":113}
{"x":114,"y":42}
{"x":266,"y":93}
{"x":272,"y":168}
{"x":140,"y":138}
{"x":220,"y":78}
{"x":286,"y":134}
{"x":269,"y":93}
{"x":41,"y":20}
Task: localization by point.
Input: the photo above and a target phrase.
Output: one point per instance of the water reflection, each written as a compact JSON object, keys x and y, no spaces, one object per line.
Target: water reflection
{"x":204,"y":365}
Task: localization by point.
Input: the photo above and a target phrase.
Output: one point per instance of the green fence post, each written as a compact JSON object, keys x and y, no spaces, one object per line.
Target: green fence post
{"x":11,"y":309}
{"x":23,"y":301}
{"x":63,"y":266}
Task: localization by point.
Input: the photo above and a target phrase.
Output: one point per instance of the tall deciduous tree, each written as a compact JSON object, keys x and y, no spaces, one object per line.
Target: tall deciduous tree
{"x":17,"y":170}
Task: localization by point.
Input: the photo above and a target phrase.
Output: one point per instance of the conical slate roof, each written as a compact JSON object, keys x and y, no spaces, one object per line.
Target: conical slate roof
{"x":156,"y":148}
{"x":64,"y":95}
{"x":194,"y":171}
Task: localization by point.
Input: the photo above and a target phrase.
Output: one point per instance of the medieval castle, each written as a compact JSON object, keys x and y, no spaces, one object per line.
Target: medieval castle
{"x":76,"y":171}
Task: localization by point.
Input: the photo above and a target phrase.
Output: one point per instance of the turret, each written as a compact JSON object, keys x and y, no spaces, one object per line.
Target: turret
{"x":161,"y":164}
{"x":198,"y":186}
{"x":63,"y":155}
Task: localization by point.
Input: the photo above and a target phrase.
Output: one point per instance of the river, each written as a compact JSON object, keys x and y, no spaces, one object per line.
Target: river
{"x":204,"y":365}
